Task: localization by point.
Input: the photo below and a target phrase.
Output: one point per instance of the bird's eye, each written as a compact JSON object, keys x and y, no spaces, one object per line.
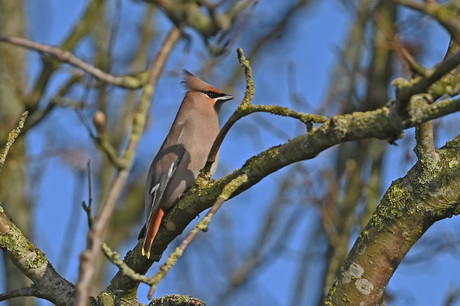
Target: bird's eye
{"x":212,"y":94}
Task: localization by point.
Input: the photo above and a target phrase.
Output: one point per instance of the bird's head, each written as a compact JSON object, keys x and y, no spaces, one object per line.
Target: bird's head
{"x":206,"y":92}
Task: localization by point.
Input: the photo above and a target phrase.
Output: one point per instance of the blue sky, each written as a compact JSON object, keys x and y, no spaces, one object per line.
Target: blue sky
{"x":312,"y":47}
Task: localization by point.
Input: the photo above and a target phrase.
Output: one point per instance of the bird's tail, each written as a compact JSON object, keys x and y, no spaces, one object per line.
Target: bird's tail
{"x":151,"y":231}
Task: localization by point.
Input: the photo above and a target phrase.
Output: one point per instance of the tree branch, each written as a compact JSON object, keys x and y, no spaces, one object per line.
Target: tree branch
{"x":406,"y":89}
{"x":380,"y":123}
{"x":26,"y":291}
{"x":124,"y":81}
{"x":425,"y":150}
{"x":409,"y":207}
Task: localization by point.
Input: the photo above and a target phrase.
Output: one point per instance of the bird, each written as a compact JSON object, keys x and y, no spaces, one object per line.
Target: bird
{"x":183,"y":153}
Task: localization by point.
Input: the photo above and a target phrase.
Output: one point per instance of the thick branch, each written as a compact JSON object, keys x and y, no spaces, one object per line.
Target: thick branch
{"x":429,"y":192}
{"x":26,"y":291}
{"x":381,"y":123}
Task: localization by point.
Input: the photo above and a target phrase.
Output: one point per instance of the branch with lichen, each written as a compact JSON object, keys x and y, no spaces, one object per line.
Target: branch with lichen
{"x":421,"y":84}
{"x":11,"y":138}
{"x":250,"y":87}
{"x":409,"y":207}
{"x":381,"y":123}
{"x":436,"y":81}
{"x":114,"y":257}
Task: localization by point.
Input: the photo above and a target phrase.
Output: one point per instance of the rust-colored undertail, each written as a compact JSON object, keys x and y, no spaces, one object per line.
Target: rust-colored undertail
{"x":153,"y":227}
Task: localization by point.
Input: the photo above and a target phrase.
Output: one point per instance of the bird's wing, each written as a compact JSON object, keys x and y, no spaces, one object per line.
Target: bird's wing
{"x":163,"y":168}
{"x":158,"y":186}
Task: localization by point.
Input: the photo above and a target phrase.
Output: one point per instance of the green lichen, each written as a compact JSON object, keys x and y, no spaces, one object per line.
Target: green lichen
{"x":395,"y":203}
{"x":230,"y":188}
{"x":105,"y":299}
{"x":453,"y":164}
{"x":454,"y":144}
{"x":262,"y":163}
{"x":448,"y":85}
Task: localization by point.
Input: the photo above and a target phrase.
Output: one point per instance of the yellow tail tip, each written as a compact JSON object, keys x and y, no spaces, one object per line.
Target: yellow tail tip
{"x":146,"y":255}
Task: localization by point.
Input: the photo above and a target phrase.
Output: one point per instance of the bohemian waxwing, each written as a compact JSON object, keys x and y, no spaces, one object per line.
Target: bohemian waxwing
{"x":183,"y":153}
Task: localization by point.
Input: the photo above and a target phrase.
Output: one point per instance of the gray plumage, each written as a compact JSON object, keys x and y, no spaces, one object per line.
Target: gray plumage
{"x":183,"y":153}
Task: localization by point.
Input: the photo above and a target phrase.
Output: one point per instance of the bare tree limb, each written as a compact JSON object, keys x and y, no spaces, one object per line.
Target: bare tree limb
{"x":125,"y":81}
{"x":26,"y":291}
{"x":406,"y":89}
{"x":114,"y":257}
{"x":409,"y":207}
{"x":187,"y":13}
{"x":425,"y":149}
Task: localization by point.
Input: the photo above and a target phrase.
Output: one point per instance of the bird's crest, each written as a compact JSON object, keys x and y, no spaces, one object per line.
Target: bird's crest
{"x":192,"y":83}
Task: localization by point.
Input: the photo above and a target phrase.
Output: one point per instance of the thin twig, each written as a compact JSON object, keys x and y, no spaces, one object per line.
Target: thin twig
{"x":124,"y":81}
{"x":249,"y":94}
{"x":246,"y":108}
{"x":26,"y":291}
{"x":11,"y":138}
{"x":406,"y":89}
{"x":397,"y":46}
{"x":39,"y":114}
{"x":250,"y":88}
{"x":444,"y":14}
{"x":88,"y":208}
{"x":88,"y":258}
{"x":68,"y":242}
{"x":115,"y":258}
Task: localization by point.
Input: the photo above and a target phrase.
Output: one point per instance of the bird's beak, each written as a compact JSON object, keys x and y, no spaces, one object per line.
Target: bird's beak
{"x":225,"y":98}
